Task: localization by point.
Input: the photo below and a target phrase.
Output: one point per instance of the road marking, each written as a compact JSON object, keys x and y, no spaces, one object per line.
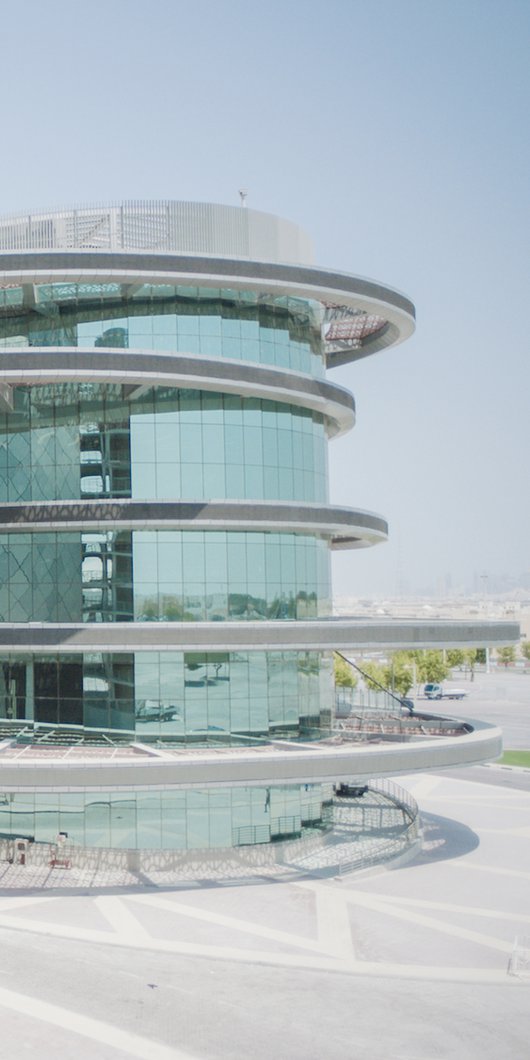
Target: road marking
{"x":133,"y":1045}
{"x":351,"y":966}
{"x":522,"y":833}
{"x":120,"y":918}
{"x":334,"y":929}
{"x":189,"y":949}
{"x":487,"y":797}
{"x":422,"y":788}
{"x":495,"y":869}
{"x":19,"y":901}
{"x":385,"y":906}
{"x":220,"y":919}
{"x":469,"y":910}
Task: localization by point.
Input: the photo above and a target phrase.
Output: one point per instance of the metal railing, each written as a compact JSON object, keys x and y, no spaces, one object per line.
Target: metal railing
{"x":396,"y":841}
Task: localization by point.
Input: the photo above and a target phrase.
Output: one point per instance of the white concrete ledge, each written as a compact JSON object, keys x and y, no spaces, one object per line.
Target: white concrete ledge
{"x":279,"y":280}
{"x":309,"y":763}
{"x":343,"y":527}
{"x":40,"y":366}
{"x":343,"y":634}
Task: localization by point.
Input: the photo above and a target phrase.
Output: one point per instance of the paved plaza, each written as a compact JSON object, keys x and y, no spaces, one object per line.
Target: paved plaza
{"x":423,"y":960}
{"x":414,"y":962}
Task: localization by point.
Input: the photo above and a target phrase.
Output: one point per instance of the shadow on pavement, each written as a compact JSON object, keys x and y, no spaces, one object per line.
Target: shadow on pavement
{"x":443,"y":839}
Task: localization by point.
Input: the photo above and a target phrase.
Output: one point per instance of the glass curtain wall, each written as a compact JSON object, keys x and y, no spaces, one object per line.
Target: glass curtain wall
{"x":227,"y":323}
{"x":66,"y":441}
{"x":190,"y":697}
{"x":87,"y":441}
{"x":167,"y":820}
{"x":166,"y":575}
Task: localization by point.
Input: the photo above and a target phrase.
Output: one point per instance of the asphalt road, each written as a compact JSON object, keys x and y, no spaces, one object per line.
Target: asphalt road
{"x":501,"y":697}
{"x":496,"y":776}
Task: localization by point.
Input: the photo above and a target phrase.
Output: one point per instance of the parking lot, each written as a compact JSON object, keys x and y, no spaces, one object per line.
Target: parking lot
{"x":501,"y":697}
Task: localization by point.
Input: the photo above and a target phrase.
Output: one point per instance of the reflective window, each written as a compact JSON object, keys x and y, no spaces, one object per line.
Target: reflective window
{"x":239,"y":325}
{"x":164,"y":575}
{"x":200,"y":698}
{"x":40,"y":577}
{"x":169,"y":820}
{"x":71,"y":442}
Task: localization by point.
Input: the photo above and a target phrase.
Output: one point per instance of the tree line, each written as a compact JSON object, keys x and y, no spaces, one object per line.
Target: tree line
{"x":407,"y":668}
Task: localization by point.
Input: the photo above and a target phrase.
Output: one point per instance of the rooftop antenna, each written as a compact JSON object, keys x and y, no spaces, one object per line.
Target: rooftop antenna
{"x":243,"y":192}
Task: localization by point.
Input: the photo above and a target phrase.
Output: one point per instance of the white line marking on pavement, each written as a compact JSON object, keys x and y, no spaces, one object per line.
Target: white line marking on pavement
{"x":373,"y":969}
{"x":495,"y":869}
{"x":379,"y":906}
{"x":96,"y":1030}
{"x":20,"y":900}
{"x":334,"y":930}
{"x":423,"y":787}
{"x":247,"y":926}
{"x":520,"y":833}
{"x":120,"y":918}
{"x":188,"y":949}
{"x":480,"y":800}
{"x":469,"y":910}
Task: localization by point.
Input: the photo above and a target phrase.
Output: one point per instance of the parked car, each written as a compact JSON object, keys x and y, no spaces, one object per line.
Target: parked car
{"x":350,"y":791}
{"x":156,"y":712}
{"x":408,"y":704}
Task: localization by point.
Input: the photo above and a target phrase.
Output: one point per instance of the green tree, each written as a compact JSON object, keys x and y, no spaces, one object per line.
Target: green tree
{"x":432,"y":667}
{"x":150,"y":610}
{"x":173,"y":610}
{"x":345,"y":676}
{"x":399,"y":675}
{"x":374,"y":674}
{"x":455,"y":657}
{"x":525,"y":648}
{"x":506,"y":655}
{"x":471,"y":659}
{"x":411,"y":657}
{"x":395,"y":676}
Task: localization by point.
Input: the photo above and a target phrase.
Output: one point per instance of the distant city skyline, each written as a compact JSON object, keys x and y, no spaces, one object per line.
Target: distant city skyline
{"x":506,"y":587}
{"x":444,"y":586}
{"x":395,"y":134}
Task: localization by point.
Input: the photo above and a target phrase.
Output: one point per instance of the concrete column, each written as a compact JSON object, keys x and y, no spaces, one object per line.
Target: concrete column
{"x":30,"y":692}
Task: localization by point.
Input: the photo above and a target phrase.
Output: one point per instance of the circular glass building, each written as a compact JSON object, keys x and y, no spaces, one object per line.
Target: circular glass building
{"x":165,"y":526}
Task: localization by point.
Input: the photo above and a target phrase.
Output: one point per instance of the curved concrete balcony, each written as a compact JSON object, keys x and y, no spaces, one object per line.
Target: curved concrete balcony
{"x":279,"y":763}
{"x":344,"y":634}
{"x":136,"y":369}
{"x":343,"y":527}
{"x":391,"y":314}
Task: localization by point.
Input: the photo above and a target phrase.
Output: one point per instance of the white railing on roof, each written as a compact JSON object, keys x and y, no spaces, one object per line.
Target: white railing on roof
{"x":159,"y":225}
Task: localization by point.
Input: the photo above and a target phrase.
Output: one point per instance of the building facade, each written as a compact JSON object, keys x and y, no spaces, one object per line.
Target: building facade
{"x":165,"y":523}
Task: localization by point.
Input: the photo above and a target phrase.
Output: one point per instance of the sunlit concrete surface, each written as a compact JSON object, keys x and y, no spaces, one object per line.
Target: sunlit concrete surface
{"x":412,"y":963}
{"x":501,"y":697}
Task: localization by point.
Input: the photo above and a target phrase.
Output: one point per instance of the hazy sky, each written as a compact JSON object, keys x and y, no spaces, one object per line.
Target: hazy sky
{"x":395,"y":132}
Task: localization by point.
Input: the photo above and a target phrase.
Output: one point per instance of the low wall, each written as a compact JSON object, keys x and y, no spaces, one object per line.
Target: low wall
{"x":360,"y":851}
